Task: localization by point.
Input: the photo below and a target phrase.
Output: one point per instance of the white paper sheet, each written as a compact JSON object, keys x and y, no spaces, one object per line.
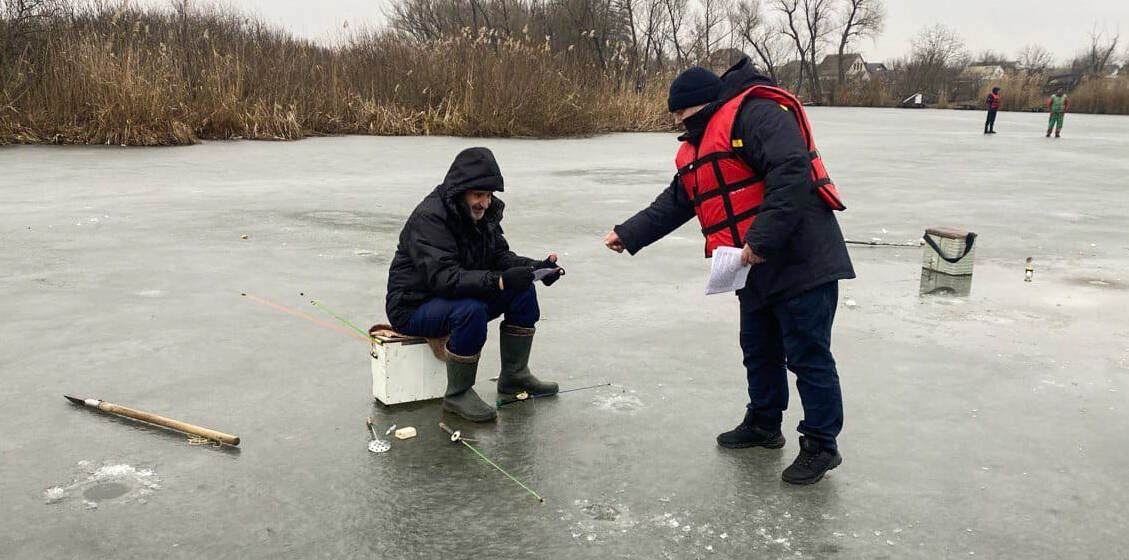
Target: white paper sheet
{"x":726,"y":272}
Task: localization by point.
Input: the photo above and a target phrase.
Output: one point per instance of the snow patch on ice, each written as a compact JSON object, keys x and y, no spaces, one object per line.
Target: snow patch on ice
{"x":620,"y":403}
{"x":126,"y":483}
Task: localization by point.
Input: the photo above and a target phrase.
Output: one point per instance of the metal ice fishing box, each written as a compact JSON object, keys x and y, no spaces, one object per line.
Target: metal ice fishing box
{"x":948,"y":251}
{"x":404,"y":369}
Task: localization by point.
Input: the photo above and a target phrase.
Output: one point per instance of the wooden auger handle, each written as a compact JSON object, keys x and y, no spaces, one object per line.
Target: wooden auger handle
{"x":169,"y":423}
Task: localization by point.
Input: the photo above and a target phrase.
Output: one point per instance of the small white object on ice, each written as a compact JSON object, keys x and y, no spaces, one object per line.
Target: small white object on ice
{"x":889,"y":542}
{"x":406,"y":432}
{"x":724,"y":535}
{"x":54,"y":494}
{"x":884,"y":230}
{"x":850,"y":302}
{"x":709,"y":547}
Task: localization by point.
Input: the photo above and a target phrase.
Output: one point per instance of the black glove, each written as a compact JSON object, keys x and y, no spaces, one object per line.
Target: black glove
{"x":517,"y":278}
{"x":548,"y":280}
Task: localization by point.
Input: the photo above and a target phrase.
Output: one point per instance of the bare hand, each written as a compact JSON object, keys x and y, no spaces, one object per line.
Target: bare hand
{"x":748,"y":257}
{"x":613,"y":242}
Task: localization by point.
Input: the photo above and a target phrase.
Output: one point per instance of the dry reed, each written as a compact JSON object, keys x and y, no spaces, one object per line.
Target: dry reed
{"x":157,"y":78}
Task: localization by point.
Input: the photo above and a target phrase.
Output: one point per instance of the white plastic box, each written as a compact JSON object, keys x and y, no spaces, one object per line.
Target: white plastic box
{"x":404,"y":369}
{"x":956,"y":244}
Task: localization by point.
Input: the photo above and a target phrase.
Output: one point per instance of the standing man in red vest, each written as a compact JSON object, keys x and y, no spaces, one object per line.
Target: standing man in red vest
{"x":993,"y":103}
{"x":749,"y":170}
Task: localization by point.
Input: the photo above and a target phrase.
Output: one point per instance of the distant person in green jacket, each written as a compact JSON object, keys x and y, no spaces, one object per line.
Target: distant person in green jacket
{"x":1057,"y":105}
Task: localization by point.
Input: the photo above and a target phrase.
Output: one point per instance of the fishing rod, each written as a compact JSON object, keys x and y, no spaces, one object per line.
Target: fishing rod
{"x":365,"y":338}
{"x":456,"y":435}
{"x":523,"y":396}
{"x":881,"y":244}
{"x":339,"y":318}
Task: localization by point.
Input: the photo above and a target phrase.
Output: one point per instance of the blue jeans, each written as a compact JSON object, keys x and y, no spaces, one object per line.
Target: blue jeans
{"x":794,"y":334}
{"x":465,"y":319}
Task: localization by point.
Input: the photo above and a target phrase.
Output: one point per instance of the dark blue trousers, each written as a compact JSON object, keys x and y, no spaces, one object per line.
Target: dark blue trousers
{"x":465,"y":319}
{"x":794,"y":334}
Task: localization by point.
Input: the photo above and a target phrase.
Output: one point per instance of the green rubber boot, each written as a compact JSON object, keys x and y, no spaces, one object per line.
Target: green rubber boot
{"x":515,"y":378}
{"x":460,"y":397}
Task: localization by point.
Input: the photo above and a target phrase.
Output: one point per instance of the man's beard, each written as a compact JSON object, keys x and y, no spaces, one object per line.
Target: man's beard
{"x":473,"y":215}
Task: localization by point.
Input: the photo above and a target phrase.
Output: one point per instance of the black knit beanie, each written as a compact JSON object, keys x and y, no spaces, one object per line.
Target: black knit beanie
{"x":694,"y":86}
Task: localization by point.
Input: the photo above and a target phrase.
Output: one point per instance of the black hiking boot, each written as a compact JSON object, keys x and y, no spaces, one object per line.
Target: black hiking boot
{"x":460,"y":397}
{"x":812,"y":463}
{"x":516,"y":343}
{"x":748,"y":434}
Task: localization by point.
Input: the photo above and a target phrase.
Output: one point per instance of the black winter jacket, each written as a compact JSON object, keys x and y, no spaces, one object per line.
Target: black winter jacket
{"x":794,"y":230}
{"x":442,"y":252}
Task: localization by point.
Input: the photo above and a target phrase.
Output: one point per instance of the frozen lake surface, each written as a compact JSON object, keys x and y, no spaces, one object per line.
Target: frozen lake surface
{"x":991,"y":426}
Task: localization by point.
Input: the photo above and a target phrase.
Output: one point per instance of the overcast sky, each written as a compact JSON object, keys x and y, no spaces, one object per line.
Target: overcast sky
{"x":1062,"y":26}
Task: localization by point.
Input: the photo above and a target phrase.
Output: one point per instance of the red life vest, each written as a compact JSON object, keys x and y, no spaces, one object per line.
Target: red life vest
{"x":725,"y":191}
{"x":993,"y":100}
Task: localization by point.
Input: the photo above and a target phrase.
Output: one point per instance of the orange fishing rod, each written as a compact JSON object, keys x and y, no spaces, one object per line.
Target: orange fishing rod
{"x":304,"y":316}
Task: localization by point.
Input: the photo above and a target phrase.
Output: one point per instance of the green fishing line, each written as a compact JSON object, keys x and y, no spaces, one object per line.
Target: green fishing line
{"x":340,"y":318}
{"x":503,"y":471}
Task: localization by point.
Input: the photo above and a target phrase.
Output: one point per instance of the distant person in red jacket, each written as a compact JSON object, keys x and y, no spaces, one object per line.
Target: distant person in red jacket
{"x":993,"y":102}
{"x":1057,"y":106}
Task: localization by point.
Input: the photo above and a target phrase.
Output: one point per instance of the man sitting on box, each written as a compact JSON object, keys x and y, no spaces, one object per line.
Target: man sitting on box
{"x":453,"y":272}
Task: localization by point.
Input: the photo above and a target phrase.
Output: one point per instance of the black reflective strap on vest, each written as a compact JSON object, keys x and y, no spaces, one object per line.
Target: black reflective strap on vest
{"x":730,"y":188}
{"x":708,"y":158}
{"x":732,"y":222}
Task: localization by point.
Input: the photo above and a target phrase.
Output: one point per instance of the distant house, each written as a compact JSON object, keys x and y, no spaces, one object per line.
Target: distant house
{"x":982,"y":73}
{"x":876,"y":68}
{"x":789,"y":74}
{"x":1113,"y":71}
{"x":970,"y":81}
{"x":1067,"y":81}
{"x":720,"y":60}
{"x":854,"y":68}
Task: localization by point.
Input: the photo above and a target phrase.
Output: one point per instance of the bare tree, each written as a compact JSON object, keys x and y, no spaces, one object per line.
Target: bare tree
{"x":1035,"y":59}
{"x":817,"y":20}
{"x":1098,"y":55}
{"x":861,"y":19}
{"x":937,"y":54}
{"x":754,"y":30}
{"x":654,"y":29}
{"x":711,"y":28}
{"x":20,"y":20}
{"x":676,"y":12}
{"x":989,"y":56}
{"x":791,"y":28}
